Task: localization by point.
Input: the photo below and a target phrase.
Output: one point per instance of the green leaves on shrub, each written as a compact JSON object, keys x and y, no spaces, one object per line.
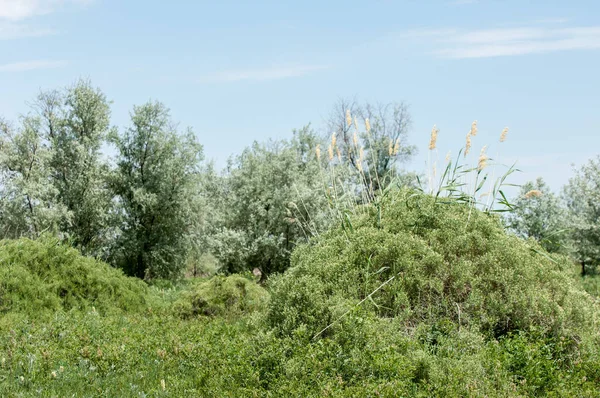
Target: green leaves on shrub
{"x":222,"y":296}
{"x":46,"y":275}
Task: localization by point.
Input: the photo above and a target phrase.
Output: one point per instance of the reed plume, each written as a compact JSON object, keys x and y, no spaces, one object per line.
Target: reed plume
{"x":483,"y":158}
{"x":534,"y":193}
{"x":474,"y":128}
{"x":503,"y":134}
{"x":433,"y":140}
{"x":468,"y":144}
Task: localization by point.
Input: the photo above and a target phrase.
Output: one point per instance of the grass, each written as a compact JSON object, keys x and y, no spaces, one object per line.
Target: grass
{"x":331,"y":326}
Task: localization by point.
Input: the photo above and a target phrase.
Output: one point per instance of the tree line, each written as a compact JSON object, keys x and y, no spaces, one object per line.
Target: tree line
{"x":157,"y":209}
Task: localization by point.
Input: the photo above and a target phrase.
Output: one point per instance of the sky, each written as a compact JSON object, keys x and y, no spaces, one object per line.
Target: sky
{"x":240,"y":71}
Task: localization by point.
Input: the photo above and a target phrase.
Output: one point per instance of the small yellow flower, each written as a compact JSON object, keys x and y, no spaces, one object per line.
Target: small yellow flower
{"x":54,"y":374}
{"x":163,"y":385}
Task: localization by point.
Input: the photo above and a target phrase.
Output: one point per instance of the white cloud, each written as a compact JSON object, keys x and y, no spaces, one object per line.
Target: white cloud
{"x":21,"y":9}
{"x":455,"y":43}
{"x":273,"y":73}
{"x":32,"y":65}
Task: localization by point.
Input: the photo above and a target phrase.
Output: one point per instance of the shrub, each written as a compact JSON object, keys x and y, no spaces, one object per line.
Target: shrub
{"x":46,"y":275}
{"x":221,"y":296}
{"x":420,"y":261}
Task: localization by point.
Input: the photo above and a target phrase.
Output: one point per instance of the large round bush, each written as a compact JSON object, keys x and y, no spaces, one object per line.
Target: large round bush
{"x":429,"y":262}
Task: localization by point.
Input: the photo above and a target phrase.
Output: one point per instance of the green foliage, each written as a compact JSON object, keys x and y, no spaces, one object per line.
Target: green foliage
{"x":46,"y":275}
{"x":582,"y":195}
{"x":29,"y":203}
{"x":156,"y":186}
{"x":538,"y":214}
{"x":232,"y":295}
{"x":75,"y":124}
{"x":428,"y":262}
{"x":262,"y":202}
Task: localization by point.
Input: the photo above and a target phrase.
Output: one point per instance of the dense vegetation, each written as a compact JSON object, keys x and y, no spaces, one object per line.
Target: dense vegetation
{"x":313,"y":266}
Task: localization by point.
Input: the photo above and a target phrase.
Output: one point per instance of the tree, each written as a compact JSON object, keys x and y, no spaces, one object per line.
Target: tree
{"x":539,"y":214}
{"x":381,"y":130}
{"x":29,"y":204}
{"x":156,"y":185}
{"x":270,"y":199}
{"x":582,"y":197}
{"x":75,"y":123}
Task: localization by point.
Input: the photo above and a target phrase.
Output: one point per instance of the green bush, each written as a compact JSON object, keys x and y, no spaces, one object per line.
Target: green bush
{"x":221,"y":296}
{"x":429,"y":262}
{"x":44,"y":274}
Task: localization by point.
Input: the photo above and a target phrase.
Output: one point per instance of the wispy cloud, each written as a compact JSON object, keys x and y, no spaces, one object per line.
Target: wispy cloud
{"x":457,"y":43}
{"x":11,"y":30}
{"x":21,"y":9}
{"x":273,"y":73}
{"x":32,"y":65}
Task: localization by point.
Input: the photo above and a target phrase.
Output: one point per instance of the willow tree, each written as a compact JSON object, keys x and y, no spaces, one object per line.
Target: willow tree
{"x":156,"y":184}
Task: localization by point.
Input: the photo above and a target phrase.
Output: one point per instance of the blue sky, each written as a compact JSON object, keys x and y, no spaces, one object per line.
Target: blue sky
{"x":239,"y":71}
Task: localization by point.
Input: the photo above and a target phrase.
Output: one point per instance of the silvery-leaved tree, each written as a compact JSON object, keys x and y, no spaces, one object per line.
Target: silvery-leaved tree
{"x":539,"y":214}
{"x":75,"y":123}
{"x":29,"y":203}
{"x":270,"y":198}
{"x":156,"y":188}
{"x":582,"y":197}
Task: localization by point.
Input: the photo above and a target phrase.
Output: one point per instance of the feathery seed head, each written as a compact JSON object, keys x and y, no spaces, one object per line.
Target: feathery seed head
{"x":333,"y":140}
{"x":433,"y":140}
{"x":318,"y":151}
{"x":163,"y":385}
{"x":355,"y":124}
{"x":339,"y":154}
{"x":474,"y":128}
{"x":348,"y":118}
{"x":503,"y":134}
{"x":368,"y":125}
{"x":534,"y":193}
{"x":355,"y":139}
{"x":468,"y":144}
{"x":396,"y":147}
{"x":448,"y":157}
{"x":330,"y":153}
{"x":391,"y":148}
{"x":483,"y":158}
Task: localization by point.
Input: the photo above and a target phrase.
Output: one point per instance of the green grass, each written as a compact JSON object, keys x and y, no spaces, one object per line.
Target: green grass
{"x":470,"y":311}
